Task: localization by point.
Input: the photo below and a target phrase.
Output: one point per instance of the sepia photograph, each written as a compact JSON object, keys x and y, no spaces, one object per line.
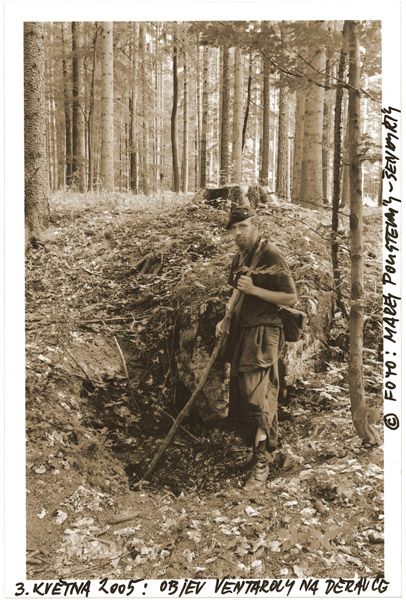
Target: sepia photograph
{"x":204,"y":202}
{"x":204,"y":330}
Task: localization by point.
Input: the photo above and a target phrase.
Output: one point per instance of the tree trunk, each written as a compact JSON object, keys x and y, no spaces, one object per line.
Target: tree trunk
{"x":336,"y":172}
{"x":174,"y":128}
{"x":145,"y":100}
{"x":225,"y":119}
{"x":205,"y":117}
{"x":59,"y":127}
{"x":90,"y":116}
{"x":298,"y":146}
{"x":236,"y":155}
{"x":257,"y":102}
{"x":133,"y":109}
{"x":264,"y":171}
{"x":312,"y":180}
{"x":282,"y":169}
{"x":185,"y":148}
{"x":248,"y":104}
{"x":198,"y":124}
{"x":35,"y":122}
{"x":78,"y":166}
{"x":327,"y":132}
{"x":107,"y":109}
{"x":220,"y":105}
{"x":346,"y":192}
{"x":66,"y":105}
{"x":361,"y":415}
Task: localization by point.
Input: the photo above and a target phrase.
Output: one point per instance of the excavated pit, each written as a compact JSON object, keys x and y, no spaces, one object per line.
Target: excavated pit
{"x":134,"y":417}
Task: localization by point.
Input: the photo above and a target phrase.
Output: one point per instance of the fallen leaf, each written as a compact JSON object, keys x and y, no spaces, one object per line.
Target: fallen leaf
{"x":60,"y":517}
{"x":40,"y":470}
{"x":251,"y":512}
{"x":298,"y":571}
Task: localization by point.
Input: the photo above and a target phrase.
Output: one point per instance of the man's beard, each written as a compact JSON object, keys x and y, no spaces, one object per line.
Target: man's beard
{"x":243,"y":244}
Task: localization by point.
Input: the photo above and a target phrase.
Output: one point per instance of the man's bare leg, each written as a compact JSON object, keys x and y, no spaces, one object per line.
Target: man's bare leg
{"x":260,"y":436}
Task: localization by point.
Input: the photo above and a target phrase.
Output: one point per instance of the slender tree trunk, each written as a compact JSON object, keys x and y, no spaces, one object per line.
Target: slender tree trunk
{"x":67,"y":114}
{"x":145,"y":100}
{"x":78,"y":167}
{"x":256,"y":143}
{"x":298,"y":146}
{"x":236,"y":155}
{"x":198,"y":126}
{"x":346,"y":192}
{"x":282,"y":169}
{"x":220,"y":106}
{"x":336,"y":173}
{"x":107,"y":102}
{"x":174,"y":128}
{"x":161,"y":125}
{"x":185,"y":157}
{"x":264,"y":172}
{"x":133,"y":109}
{"x":225,"y":119}
{"x":90,"y":116}
{"x":327,"y":131}
{"x":36,"y":188}
{"x":312,"y":180}
{"x":248,"y":104}
{"x":205,"y":115}
{"x":360,"y":413}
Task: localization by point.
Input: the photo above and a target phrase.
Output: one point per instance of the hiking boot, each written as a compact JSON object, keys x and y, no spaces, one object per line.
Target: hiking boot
{"x":260,"y":472}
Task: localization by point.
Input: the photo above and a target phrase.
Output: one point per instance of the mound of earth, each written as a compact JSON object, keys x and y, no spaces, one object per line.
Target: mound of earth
{"x":122,"y":301}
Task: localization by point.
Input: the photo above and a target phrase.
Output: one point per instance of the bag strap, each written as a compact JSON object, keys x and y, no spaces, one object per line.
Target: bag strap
{"x":260,"y":247}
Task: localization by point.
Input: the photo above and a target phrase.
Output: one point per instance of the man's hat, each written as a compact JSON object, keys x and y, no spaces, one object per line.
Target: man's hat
{"x":239,"y":214}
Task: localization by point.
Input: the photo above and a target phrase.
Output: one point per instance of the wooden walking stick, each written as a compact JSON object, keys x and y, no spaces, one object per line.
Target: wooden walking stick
{"x":235,"y":304}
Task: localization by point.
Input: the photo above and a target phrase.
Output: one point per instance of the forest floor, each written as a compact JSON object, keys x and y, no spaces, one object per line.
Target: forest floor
{"x":321,"y":513}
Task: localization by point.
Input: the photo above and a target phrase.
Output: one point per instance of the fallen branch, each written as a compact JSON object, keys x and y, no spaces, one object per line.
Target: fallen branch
{"x":195,"y":439}
{"x":78,"y":364}
{"x":129,"y":388}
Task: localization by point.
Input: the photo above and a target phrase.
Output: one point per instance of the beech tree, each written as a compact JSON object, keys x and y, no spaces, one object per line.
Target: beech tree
{"x":36,"y":187}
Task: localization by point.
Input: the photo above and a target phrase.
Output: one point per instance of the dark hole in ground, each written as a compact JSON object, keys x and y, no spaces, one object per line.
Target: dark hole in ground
{"x":217,"y":453}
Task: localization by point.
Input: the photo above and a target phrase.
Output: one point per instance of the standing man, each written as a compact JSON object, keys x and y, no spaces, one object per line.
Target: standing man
{"x":256,"y":339}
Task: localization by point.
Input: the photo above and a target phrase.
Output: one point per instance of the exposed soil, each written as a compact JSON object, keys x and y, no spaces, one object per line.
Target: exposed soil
{"x":116,"y":275}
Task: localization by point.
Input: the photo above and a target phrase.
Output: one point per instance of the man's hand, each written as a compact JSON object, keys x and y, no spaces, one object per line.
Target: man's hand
{"x":220,"y":328}
{"x":245,"y":284}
